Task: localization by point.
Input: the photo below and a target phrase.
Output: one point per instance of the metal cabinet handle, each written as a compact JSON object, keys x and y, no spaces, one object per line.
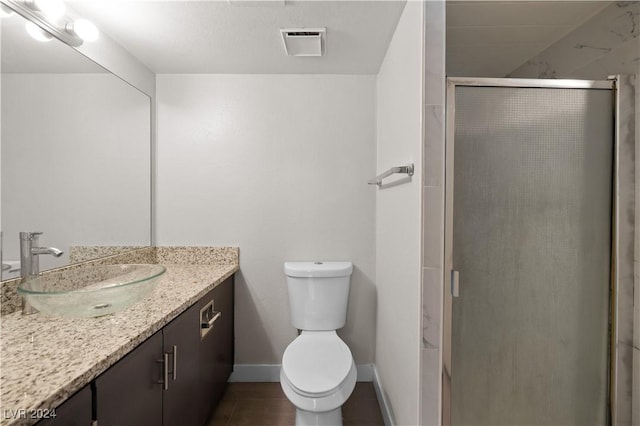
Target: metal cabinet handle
{"x":209,"y":324}
{"x":165,"y":371}
{"x":165,"y":367}
{"x":175,"y":362}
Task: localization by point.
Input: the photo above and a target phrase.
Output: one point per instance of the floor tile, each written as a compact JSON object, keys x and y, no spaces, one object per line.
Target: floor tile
{"x":263,"y":412}
{"x":237,"y":391}
{"x":364,"y":390}
{"x":222,"y":413}
{"x":361,"y":412}
{"x":264,"y":404}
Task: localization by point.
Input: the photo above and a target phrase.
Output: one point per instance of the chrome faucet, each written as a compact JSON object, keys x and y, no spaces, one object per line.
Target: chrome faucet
{"x":30,"y":261}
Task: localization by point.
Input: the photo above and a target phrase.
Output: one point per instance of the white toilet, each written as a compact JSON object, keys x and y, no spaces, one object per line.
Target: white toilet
{"x":318,"y":373}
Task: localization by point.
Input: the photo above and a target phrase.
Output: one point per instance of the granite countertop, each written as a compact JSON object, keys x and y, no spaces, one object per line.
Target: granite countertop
{"x":44,"y":360}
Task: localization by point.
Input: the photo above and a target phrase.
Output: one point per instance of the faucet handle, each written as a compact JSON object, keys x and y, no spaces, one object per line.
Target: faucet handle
{"x":26,"y":236}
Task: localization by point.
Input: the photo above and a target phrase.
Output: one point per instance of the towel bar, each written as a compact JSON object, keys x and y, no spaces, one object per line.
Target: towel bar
{"x":408,"y":170}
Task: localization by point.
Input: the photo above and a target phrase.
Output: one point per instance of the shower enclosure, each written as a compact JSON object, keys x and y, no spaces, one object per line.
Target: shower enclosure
{"x":529,"y":252}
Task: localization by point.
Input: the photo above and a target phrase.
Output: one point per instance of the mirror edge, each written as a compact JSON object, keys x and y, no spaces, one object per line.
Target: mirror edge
{"x":115,"y":59}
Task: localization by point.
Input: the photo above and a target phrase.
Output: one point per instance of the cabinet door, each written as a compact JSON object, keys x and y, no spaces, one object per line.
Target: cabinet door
{"x":217,"y":347}
{"x":75,"y":411}
{"x":181,"y":399}
{"x":128,"y":393}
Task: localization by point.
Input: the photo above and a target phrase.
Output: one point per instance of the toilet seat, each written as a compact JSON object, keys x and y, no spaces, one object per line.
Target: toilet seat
{"x":317,"y":363}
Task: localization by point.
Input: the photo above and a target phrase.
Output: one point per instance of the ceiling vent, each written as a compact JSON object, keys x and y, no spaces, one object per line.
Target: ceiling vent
{"x":304,"y":41}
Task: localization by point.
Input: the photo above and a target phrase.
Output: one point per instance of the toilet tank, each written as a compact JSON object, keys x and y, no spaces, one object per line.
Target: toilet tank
{"x":318,"y":294}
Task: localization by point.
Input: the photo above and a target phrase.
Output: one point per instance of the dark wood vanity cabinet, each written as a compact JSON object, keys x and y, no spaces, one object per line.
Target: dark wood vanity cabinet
{"x":75,"y":411}
{"x":129,"y":393}
{"x":177,"y":376}
{"x":180,"y":402}
{"x":216,"y":348}
{"x":157,"y":383}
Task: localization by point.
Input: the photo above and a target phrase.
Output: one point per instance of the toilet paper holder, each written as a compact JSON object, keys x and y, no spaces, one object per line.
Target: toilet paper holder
{"x":208,"y":317}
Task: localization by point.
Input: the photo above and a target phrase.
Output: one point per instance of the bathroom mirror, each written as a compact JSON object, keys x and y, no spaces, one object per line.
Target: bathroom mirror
{"x":74,"y":150}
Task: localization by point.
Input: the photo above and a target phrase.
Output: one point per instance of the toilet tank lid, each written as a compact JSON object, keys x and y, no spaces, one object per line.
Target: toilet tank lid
{"x":318,"y":269}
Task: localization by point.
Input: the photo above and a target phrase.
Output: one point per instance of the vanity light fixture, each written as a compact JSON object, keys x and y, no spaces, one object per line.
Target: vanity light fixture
{"x":47,"y":19}
{"x":84,"y":29}
{"x":5,"y":12}
{"x":36,"y":32}
{"x":52,"y":9}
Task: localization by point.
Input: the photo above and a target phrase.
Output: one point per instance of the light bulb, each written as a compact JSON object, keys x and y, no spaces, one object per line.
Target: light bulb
{"x":36,"y":32}
{"x":84,"y":29}
{"x":53,"y":9}
{"x":5,"y":12}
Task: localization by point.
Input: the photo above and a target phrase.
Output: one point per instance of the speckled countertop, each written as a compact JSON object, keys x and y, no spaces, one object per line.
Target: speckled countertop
{"x":44,"y":360}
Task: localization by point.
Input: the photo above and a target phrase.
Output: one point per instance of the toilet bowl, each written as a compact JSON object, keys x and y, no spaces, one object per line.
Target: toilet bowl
{"x":318,"y":375}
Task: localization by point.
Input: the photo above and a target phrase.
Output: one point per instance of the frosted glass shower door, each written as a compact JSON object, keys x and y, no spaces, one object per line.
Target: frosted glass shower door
{"x":532,"y":179}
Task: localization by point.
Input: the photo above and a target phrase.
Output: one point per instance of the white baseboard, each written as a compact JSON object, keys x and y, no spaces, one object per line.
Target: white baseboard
{"x":271,"y":373}
{"x":385,"y":407}
{"x":365,"y":372}
{"x":255,"y":373}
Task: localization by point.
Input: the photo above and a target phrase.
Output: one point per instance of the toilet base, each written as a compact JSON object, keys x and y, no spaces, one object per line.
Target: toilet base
{"x":326,"y":418}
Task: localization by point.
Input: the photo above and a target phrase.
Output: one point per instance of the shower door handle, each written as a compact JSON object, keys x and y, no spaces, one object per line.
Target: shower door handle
{"x":455,"y":283}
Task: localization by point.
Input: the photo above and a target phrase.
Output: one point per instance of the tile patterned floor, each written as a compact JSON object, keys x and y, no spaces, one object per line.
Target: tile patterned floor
{"x":264,"y":404}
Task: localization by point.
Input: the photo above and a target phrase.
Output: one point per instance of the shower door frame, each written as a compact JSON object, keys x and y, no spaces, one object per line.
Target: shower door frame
{"x":452,"y":83}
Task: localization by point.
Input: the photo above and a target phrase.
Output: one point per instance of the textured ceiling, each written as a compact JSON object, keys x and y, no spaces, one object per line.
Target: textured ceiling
{"x":484,"y":39}
{"x":244,"y":36}
{"x":491,"y":39}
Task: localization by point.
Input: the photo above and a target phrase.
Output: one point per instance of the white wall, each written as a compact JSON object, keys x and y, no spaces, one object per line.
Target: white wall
{"x":398,"y":219}
{"x":277,"y":165}
{"x":81,"y":184}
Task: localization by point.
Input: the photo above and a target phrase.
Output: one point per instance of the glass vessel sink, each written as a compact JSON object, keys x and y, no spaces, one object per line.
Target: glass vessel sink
{"x":91,"y":291}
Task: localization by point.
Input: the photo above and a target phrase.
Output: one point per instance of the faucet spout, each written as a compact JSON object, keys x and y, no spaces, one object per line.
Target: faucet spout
{"x":47,"y":250}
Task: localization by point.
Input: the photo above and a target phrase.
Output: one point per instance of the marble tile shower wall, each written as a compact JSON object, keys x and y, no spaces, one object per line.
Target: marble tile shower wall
{"x":433,"y":210}
{"x":606,"y":44}
{"x":635,"y":402}
{"x":625,"y":232}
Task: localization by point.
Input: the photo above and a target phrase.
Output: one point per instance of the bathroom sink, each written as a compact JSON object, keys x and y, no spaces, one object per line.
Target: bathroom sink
{"x":91,"y":291}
